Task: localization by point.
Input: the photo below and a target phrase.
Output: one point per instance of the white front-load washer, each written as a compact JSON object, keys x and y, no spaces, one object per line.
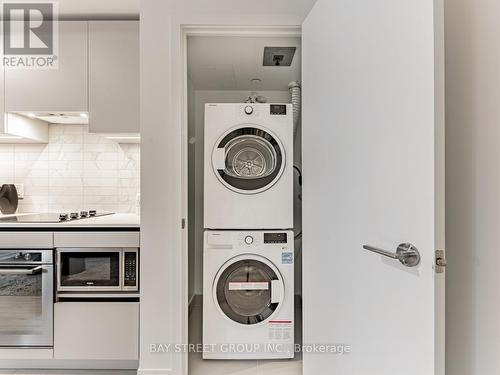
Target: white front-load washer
{"x":248,"y":295}
{"x":248,"y":166}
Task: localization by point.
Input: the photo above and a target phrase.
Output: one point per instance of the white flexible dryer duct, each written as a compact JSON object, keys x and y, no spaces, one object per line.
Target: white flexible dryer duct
{"x":294,"y":88}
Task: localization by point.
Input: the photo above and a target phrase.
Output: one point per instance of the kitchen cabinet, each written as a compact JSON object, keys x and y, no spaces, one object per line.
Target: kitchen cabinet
{"x":63,"y":89}
{"x":97,"y":239}
{"x":96,"y":330}
{"x":114,"y":76}
{"x":27,"y":240}
{"x":2,"y":102}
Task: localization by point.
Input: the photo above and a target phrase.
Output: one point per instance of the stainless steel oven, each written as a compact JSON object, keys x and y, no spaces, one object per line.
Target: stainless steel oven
{"x":26,"y":298}
{"x":97,"y":269}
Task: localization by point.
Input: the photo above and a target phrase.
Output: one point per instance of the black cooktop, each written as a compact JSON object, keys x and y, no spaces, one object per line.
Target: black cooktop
{"x":46,"y":218}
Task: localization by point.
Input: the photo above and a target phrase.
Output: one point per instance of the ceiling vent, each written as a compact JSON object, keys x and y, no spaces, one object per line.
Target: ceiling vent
{"x":278,"y":56}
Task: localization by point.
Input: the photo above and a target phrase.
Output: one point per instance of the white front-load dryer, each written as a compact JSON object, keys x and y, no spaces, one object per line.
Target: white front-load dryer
{"x":248,"y":295}
{"x":248,"y":166}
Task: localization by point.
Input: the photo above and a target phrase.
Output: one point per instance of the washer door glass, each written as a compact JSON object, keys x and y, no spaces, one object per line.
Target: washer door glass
{"x":253,"y":160}
{"x":243,"y":291}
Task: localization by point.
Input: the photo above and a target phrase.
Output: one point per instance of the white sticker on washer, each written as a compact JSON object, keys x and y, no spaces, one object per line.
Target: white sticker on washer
{"x":248,"y":285}
{"x":287,"y":258}
{"x":280,"y":329}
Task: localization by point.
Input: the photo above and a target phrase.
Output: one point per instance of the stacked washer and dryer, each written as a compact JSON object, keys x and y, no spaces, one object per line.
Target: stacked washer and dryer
{"x":248,"y":266}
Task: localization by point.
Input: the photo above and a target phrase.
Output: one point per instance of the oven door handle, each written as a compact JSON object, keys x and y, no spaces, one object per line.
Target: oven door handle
{"x":21,"y":271}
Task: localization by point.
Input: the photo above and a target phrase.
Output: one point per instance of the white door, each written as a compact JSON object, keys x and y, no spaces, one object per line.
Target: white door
{"x":372,"y":142}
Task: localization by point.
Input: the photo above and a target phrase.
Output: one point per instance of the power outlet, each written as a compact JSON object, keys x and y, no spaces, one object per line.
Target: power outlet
{"x":20,"y":190}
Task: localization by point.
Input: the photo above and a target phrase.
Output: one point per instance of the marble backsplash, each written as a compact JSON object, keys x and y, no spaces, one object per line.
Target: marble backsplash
{"x":76,"y":170}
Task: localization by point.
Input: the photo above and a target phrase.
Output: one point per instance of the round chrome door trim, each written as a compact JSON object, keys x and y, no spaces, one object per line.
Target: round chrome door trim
{"x":248,"y":257}
{"x":266,"y":136}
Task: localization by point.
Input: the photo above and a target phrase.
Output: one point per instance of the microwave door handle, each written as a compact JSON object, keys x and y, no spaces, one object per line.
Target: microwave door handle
{"x":21,"y":271}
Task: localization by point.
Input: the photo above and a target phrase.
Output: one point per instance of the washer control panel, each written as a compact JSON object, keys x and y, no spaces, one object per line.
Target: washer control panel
{"x":248,"y":109}
{"x":247,"y":239}
{"x":276,"y":237}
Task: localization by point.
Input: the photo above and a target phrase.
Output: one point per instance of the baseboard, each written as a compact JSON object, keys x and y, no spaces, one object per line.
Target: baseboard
{"x":10,"y":354}
{"x":63,"y":364}
{"x":162,"y":371}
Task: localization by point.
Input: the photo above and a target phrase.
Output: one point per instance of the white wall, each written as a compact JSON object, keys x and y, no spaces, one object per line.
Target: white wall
{"x":191,"y":189}
{"x":473,"y":186}
{"x":163,"y":286}
{"x":164,"y":289}
{"x":75,"y":171}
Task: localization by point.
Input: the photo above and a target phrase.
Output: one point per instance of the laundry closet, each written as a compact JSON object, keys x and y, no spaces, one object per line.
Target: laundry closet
{"x":244,"y":201}
{"x":373,"y":184}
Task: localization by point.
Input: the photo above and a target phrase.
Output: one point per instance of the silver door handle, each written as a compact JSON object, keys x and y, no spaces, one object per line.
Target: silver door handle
{"x":406,"y":253}
{"x":21,"y":271}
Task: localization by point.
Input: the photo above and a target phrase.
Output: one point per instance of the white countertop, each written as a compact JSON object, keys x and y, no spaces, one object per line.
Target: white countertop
{"x":108,"y":221}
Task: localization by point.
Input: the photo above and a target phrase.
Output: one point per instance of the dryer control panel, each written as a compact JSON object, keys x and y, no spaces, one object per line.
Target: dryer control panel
{"x":278,"y":109}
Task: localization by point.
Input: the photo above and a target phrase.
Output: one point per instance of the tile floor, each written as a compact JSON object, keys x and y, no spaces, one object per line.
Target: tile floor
{"x":198,"y":366}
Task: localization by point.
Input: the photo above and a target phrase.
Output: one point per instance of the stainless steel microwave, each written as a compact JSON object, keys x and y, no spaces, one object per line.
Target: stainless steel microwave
{"x":97,"y":269}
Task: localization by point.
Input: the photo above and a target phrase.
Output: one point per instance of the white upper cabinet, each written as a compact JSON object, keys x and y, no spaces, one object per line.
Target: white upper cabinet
{"x":114,"y":76}
{"x":2,"y":100}
{"x":62,"y":89}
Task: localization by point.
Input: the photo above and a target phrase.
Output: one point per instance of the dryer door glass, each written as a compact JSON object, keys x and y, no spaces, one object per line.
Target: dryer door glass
{"x":250,"y":157}
{"x":253,"y":160}
{"x":244,"y":291}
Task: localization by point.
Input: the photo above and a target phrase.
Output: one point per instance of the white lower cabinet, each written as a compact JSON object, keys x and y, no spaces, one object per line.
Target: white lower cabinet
{"x":96,"y":239}
{"x":96,"y":330}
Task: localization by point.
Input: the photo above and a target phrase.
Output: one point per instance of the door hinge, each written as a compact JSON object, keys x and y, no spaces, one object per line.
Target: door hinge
{"x":183,"y":223}
{"x":440,"y":261}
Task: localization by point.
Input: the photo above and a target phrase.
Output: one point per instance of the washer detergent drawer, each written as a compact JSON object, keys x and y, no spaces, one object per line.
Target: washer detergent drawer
{"x":219,"y":240}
